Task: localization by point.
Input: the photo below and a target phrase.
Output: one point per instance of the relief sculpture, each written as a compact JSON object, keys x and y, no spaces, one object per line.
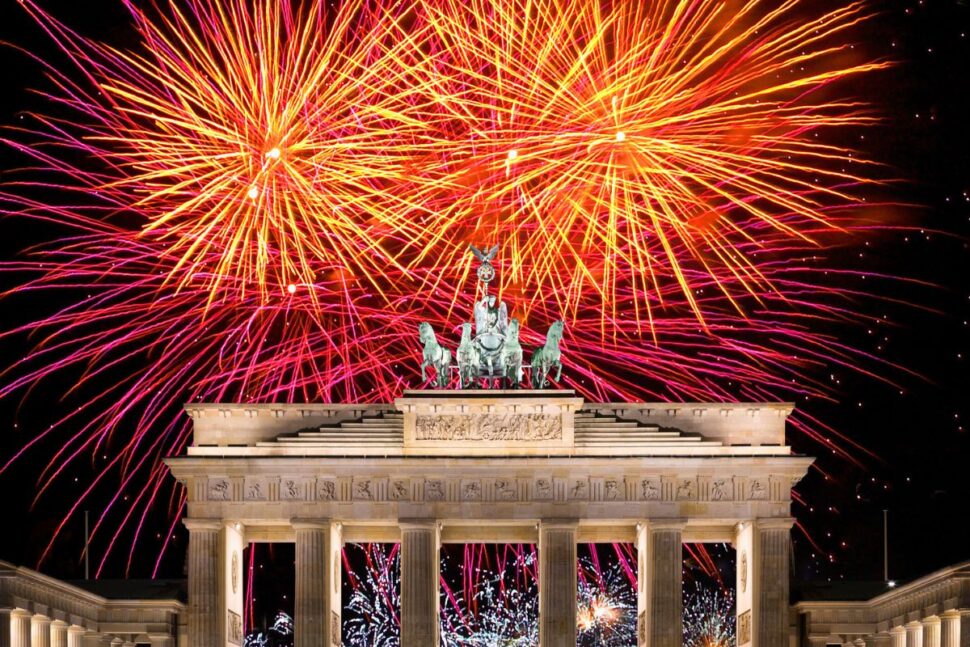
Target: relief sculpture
{"x":508,"y":426}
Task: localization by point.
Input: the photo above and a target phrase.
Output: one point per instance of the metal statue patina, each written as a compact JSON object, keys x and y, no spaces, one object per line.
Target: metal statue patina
{"x":434,"y":355}
{"x":493,"y":354}
{"x":547,"y":357}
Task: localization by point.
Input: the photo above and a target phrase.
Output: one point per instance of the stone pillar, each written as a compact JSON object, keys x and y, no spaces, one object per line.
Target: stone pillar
{"x":40,"y":631}
{"x":931,"y":631}
{"x":205,"y":557}
{"x":663,"y":586}
{"x":316,"y":621}
{"x":955,"y":629}
{"x":20,"y":625}
{"x":420,"y":567}
{"x":897,"y":636}
{"x":557,"y":583}
{"x":58,"y":633}
{"x":75,"y":635}
{"x":914,"y":634}
{"x":769,"y":562}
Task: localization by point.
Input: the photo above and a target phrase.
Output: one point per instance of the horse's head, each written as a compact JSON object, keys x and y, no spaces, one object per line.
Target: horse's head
{"x":555,"y":331}
{"x":425,"y":334}
{"x":513,"y":331}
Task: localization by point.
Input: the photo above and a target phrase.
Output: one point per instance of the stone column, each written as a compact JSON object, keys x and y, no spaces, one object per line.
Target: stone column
{"x":40,"y":631}
{"x":20,"y":628}
{"x":914,"y":634}
{"x":205,"y":557}
{"x":771,"y":543}
{"x":420,"y":567}
{"x":75,"y":635}
{"x":931,"y":631}
{"x":58,"y":633}
{"x":316,"y":622}
{"x":557,"y":583}
{"x":663,"y":586}
{"x":897,"y":636}
{"x":955,"y":629}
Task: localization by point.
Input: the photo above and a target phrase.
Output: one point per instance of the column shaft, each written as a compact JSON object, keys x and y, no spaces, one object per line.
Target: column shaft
{"x":58,"y":633}
{"x":420,"y":566}
{"x":20,"y":628}
{"x":75,"y":636}
{"x":665,"y":607}
{"x":955,"y":629}
{"x":772,"y":547}
{"x":897,"y":636}
{"x":316,"y":623}
{"x":205,"y":610}
{"x":557,"y":584}
{"x":931,"y":631}
{"x":914,"y":634}
{"x":40,"y":631}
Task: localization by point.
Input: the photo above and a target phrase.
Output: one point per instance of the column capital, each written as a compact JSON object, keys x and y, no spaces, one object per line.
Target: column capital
{"x":953,"y":614}
{"x":774,"y":523}
{"x":58,"y":623}
{"x":673,"y":523}
{"x":311,"y":524}
{"x":898,"y":629}
{"x":559,"y":522}
{"x":203,"y":524}
{"x":411,"y":523}
{"x":932,"y":620}
{"x":913,"y":624}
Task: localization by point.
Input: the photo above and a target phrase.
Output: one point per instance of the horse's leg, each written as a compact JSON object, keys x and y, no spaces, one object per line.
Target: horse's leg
{"x":424,"y":377}
{"x":558,"y":370}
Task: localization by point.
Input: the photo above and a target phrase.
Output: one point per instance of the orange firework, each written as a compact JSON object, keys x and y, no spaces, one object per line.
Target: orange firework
{"x":264,"y":136}
{"x":634,"y":145}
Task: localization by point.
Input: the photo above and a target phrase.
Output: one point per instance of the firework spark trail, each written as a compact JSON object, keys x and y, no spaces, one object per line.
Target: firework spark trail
{"x":250,"y":146}
{"x":686,"y":256}
{"x":629,"y":145}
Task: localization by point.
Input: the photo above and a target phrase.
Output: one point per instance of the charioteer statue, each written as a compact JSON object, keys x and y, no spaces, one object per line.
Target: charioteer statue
{"x":494,"y":352}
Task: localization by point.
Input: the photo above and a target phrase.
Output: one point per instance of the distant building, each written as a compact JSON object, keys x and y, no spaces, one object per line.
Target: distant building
{"x":40,"y":611}
{"x":933,"y":611}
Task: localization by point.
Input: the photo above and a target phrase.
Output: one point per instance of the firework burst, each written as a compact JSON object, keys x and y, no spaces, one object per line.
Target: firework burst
{"x":620,"y":147}
{"x":258,"y":212}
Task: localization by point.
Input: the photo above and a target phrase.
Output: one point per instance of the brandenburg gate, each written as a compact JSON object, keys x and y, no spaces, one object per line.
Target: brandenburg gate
{"x":488,"y":465}
{"x":538,"y":466}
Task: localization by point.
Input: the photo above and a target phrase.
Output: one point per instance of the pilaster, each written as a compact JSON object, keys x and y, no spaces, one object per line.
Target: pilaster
{"x":557,"y":583}
{"x":420,"y":566}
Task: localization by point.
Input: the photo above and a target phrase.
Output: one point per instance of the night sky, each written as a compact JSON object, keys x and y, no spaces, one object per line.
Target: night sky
{"x":911,"y":430}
